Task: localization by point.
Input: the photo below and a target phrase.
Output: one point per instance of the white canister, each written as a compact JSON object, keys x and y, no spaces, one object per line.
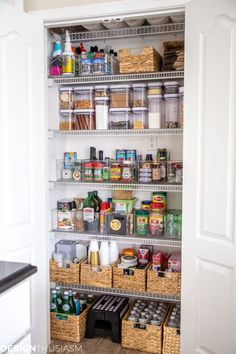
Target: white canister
{"x":104,"y":254}
{"x":114,"y":251}
{"x":155,"y":111}
{"x":101,"y":109}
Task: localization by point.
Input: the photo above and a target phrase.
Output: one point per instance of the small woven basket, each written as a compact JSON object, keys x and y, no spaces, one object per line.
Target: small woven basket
{"x":100,"y":278}
{"x":136,"y":282}
{"x":163,"y":282}
{"x":171,"y":338}
{"x":70,"y":275}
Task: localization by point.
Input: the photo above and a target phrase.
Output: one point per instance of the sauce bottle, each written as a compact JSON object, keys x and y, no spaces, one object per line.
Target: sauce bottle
{"x":68,"y":58}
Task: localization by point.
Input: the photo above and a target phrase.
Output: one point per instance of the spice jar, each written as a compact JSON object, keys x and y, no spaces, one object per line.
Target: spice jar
{"x":116,"y":171}
{"x":101,"y":109}
{"x":142,"y":222}
{"x":101,"y":91}
{"x":171,"y":87}
{"x":155,"y":111}
{"x":85,"y":119}
{"x":140,"y":118}
{"x":139,"y":95}
{"x":98,"y":171}
{"x":172,"y":110}
{"x":120,"y":96}
{"x":145,"y":171}
{"x":155,"y":88}
{"x":67,"y":121}
{"x":120,"y":119}
{"x":88,"y":171}
{"x":77,"y":171}
{"x":181,"y":107}
{"x":156,"y":172}
{"x":66,"y":98}
{"x":84,"y":96}
{"x":79,"y":221}
{"x":156,"y":220}
{"x":127,"y":171}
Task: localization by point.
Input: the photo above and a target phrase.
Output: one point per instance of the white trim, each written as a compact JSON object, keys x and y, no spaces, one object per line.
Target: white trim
{"x":104,"y":10}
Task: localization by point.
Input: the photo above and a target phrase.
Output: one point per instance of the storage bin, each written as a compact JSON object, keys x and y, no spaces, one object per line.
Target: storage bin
{"x":84,"y":119}
{"x":171,"y":338}
{"x":69,"y":275}
{"x":84,"y":97}
{"x":155,"y":111}
{"x":66,"y":98}
{"x":139,"y":61}
{"x":120,"y":119}
{"x":140,"y":118}
{"x":139,"y":95}
{"x":101,"y":91}
{"x":101,"y":278}
{"x":136,"y":282}
{"x":68,"y":327}
{"x":102,"y":112}
{"x":172,"y":110}
{"x":155,"y":88}
{"x":120,"y":96}
{"x":163,"y":282}
{"x":171,"y":87}
{"x":67,"y":120}
{"x":146,"y":338}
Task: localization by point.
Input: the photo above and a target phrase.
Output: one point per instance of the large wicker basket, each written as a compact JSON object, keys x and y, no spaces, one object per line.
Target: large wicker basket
{"x":69,"y":275}
{"x":148,"y":60}
{"x":148,"y":339}
{"x":171,"y":339}
{"x":68,"y":327}
{"x":136,"y":282}
{"x":101,"y":278}
{"x":163,"y":282}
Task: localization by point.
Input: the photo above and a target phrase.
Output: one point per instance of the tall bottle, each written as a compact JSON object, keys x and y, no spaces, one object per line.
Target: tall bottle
{"x":59,"y":298}
{"x":91,"y":213}
{"x":71,"y":301}
{"x":99,"y":200}
{"x":66,"y":308}
{"x":77,"y":303}
{"x":54,"y":304}
{"x":56,"y":64}
{"x":106,"y":170}
{"x":68,"y":58}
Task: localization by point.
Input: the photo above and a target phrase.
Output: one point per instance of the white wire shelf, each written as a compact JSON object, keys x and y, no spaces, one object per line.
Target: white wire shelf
{"x":96,"y":79}
{"x":127,"y":32}
{"x":112,"y":291}
{"x":117,"y":186}
{"x":147,"y":240}
{"x":117,"y":132}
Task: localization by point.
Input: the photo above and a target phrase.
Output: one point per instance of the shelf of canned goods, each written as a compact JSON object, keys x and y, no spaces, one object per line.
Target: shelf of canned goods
{"x":147,"y":240}
{"x":127,"y":32}
{"x":113,"y":291}
{"x":116,"y":132}
{"x":96,"y":79}
{"x":117,"y":186}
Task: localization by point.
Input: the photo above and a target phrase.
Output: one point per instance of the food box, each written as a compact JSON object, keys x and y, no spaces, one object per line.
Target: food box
{"x":124,"y":205}
{"x":121,"y":194}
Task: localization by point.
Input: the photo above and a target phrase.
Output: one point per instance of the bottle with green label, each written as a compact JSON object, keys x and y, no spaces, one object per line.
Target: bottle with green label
{"x":66,"y":308}
{"x":91,"y":213}
{"x":99,"y":200}
{"x":54,"y":304}
{"x":71,"y":301}
{"x":59,"y":298}
{"x":106,"y":170}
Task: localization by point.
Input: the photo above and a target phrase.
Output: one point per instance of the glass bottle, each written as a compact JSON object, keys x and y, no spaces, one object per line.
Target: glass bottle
{"x":106,"y":170}
{"x":99,"y":200}
{"x":54,"y":304}
{"x":66,"y":308}
{"x":83,"y":304}
{"x":71,"y":301}
{"x":76,"y":299}
{"x":91,"y":213}
{"x":59,"y":298}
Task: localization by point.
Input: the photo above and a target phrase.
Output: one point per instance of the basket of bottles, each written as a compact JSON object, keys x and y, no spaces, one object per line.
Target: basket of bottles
{"x":96,"y":275}
{"x":171,"y":332}
{"x":68,"y":315}
{"x":142,"y":326}
{"x":164,"y":274}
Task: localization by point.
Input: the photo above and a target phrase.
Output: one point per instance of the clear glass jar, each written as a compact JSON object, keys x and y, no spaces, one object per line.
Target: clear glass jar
{"x":67,"y":121}
{"x":79,"y":221}
{"x":102,"y":112}
{"x":66,"y":98}
{"x":139,"y":95}
{"x":155,"y":88}
{"x":84,"y":119}
{"x":156,"y":222}
{"x":120,"y":96}
{"x":101,"y":91}
{"x":171,"y":87}
{"x":84,"y":97}
{"x":120,"y":119}
{"x":155,"y":111}
{"x":140,"y":118}
{"x":181,"y":107}
{"x":172,"y":110}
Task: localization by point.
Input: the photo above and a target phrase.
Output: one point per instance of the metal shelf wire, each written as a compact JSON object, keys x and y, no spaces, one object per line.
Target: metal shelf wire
{"x":133,"y":239}
{"x":97,"y":79}
{"x":118,"y":132}
{"x":117,"y":186}
{"x":127,"y":32}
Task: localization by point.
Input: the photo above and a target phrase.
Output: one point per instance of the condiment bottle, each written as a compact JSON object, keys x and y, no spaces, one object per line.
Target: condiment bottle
{"x":68,"y":58}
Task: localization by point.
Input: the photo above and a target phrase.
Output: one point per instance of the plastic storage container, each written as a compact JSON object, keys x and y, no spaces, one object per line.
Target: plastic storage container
{"x":101,"y":91}
{"x":120,"y":96}
{"x":156,"y":221}
{"x":139,"y":95}
{"x":181,"y":107}
{"x":142,"y":217}
{"x":84,"y":119}
{"x":67,"y":121}
{"x":120,"y":119}
{"x":155,"y":111}
{"x":140,"y":118}
{"x":172,"y":110}
{"x":84,"y":97}
{"x":66,"y":98}
{"x":171,"y":87}
{"x":155,"y":88}
{"x":102,"y":112}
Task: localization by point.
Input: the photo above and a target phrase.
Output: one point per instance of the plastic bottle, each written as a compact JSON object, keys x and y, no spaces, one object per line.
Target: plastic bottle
{"x":68,"y":58}
{"x":56,"y":64}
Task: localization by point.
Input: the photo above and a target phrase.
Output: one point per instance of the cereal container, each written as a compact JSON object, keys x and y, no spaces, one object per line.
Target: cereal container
{"x":139,"y":95}
{"x":140,"y":120}
{"x":120,"y":96}
{"x":66,"y":98}
{"x":85,"y":119}
{"x":84,"y":97}
{"x":67,"y":121}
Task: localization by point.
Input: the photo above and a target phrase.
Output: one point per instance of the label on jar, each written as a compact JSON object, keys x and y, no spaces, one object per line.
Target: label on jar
{"x":156,"y":221}
{"x":66,"y":307}
{"x":98,"y":174}
{"x":115,"y":225}
{"x":115,"y":173}
{"x":142,"y":220}
{"x":65,"y":220}
{"x":77,"y":175}
{"x":88,"y":214}
{"x":67,"y":64}
{"x":88,"y":174}
{"x":156,"y":174}
{"x":127,"y":173}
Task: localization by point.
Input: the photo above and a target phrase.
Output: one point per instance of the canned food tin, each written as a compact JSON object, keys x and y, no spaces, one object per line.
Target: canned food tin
{"x":131,"y":155}
{"x":120,"y":154}
{"x":160,"y":197}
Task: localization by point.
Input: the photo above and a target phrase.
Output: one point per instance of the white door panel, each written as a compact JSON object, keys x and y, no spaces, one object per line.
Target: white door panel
{"x":22,"y":149}
{"x":209,"y":261}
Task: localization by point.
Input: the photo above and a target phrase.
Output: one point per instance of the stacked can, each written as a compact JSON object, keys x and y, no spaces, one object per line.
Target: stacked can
{"x":174,"y":319}
{"x":152,"y":312}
